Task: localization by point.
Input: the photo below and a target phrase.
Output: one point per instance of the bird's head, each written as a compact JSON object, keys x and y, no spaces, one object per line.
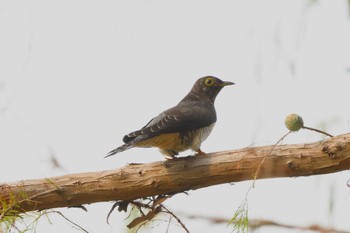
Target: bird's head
{"x":207,"y":87}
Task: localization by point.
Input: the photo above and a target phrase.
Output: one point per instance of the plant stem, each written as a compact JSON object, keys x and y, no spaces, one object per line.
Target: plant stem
{"x":317,"y":130}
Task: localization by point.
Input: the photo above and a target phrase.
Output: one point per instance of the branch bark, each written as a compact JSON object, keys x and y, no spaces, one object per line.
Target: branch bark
{"x":166,"y":177}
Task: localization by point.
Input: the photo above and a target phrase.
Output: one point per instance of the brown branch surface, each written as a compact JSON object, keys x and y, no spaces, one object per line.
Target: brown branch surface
{"x":166,"y":177}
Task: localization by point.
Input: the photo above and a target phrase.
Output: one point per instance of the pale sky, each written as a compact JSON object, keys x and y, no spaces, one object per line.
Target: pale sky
{"x":76,"y":76}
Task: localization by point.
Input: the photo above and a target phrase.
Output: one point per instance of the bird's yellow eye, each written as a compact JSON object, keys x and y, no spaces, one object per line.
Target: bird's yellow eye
{"x":209,"y":82}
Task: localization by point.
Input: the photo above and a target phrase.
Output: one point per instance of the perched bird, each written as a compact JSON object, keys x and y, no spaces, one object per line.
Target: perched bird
{"x":182,"y":127}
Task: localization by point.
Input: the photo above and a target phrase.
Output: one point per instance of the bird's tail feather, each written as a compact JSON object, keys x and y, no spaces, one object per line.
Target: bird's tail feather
{"x":119,"y":149}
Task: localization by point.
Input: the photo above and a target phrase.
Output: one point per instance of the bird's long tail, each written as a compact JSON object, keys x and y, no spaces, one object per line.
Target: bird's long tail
{"x":119,"y":149}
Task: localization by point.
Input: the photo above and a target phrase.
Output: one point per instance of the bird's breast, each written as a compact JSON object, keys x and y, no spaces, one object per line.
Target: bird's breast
{"x":194,"y":138}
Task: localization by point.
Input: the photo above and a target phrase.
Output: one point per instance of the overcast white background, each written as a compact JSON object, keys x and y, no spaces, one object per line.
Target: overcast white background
{"x":75,"y":76}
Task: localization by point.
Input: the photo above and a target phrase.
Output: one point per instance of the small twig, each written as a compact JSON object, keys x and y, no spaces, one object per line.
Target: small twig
{"x":318,"y":131}
{"x":14,"y":226}
{"x":140,"y":205}
{"x":177,"y":218}
{"x":242,"y":206}
{"x":153,"y":205}
{"x":160,"y":199}
{"x":75,"y":224}
{"x":144,"y":218}
{"x":167,"y":228}
{"x":263,"y":160}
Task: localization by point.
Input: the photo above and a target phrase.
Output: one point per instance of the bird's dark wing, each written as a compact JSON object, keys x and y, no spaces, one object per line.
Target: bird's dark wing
{"x":180,"y":118}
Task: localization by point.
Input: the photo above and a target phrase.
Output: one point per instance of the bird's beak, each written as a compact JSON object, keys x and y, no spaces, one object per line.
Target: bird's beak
{"x":226,"y":83}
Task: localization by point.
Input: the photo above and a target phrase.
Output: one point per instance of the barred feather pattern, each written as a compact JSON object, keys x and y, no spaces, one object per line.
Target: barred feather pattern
{"x":119,"y":149}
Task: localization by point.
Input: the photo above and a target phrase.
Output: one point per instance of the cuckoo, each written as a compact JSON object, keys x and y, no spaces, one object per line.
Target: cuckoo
{"x":182,"y":127}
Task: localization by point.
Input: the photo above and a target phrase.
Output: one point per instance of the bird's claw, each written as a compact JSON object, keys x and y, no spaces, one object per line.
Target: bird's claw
{"x":200,"y":152}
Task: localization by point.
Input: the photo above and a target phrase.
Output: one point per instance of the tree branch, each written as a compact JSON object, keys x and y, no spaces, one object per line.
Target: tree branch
{"x":260,"y":223}
{"x":142,"y":180}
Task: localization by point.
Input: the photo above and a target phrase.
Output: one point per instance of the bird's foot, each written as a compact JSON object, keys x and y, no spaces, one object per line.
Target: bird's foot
{"x":169,"y":157}
{"x":169,"y":154}
{"x":200,"y":152}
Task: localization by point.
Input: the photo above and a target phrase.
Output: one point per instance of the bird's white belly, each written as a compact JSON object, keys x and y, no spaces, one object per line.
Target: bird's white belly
{"x":200,"y":135}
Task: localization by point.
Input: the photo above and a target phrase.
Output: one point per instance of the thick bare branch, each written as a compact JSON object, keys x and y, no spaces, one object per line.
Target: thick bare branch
{"x":142,"y":180}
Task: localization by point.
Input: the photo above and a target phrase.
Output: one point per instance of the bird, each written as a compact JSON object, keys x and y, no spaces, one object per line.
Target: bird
{"x":182,"y":127}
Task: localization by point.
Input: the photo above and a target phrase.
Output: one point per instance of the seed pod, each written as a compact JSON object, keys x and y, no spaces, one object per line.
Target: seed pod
{"x":294,"y":122}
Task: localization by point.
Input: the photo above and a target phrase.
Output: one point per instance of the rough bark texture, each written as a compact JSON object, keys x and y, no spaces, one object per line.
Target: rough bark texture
{"x":194,"y":172}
